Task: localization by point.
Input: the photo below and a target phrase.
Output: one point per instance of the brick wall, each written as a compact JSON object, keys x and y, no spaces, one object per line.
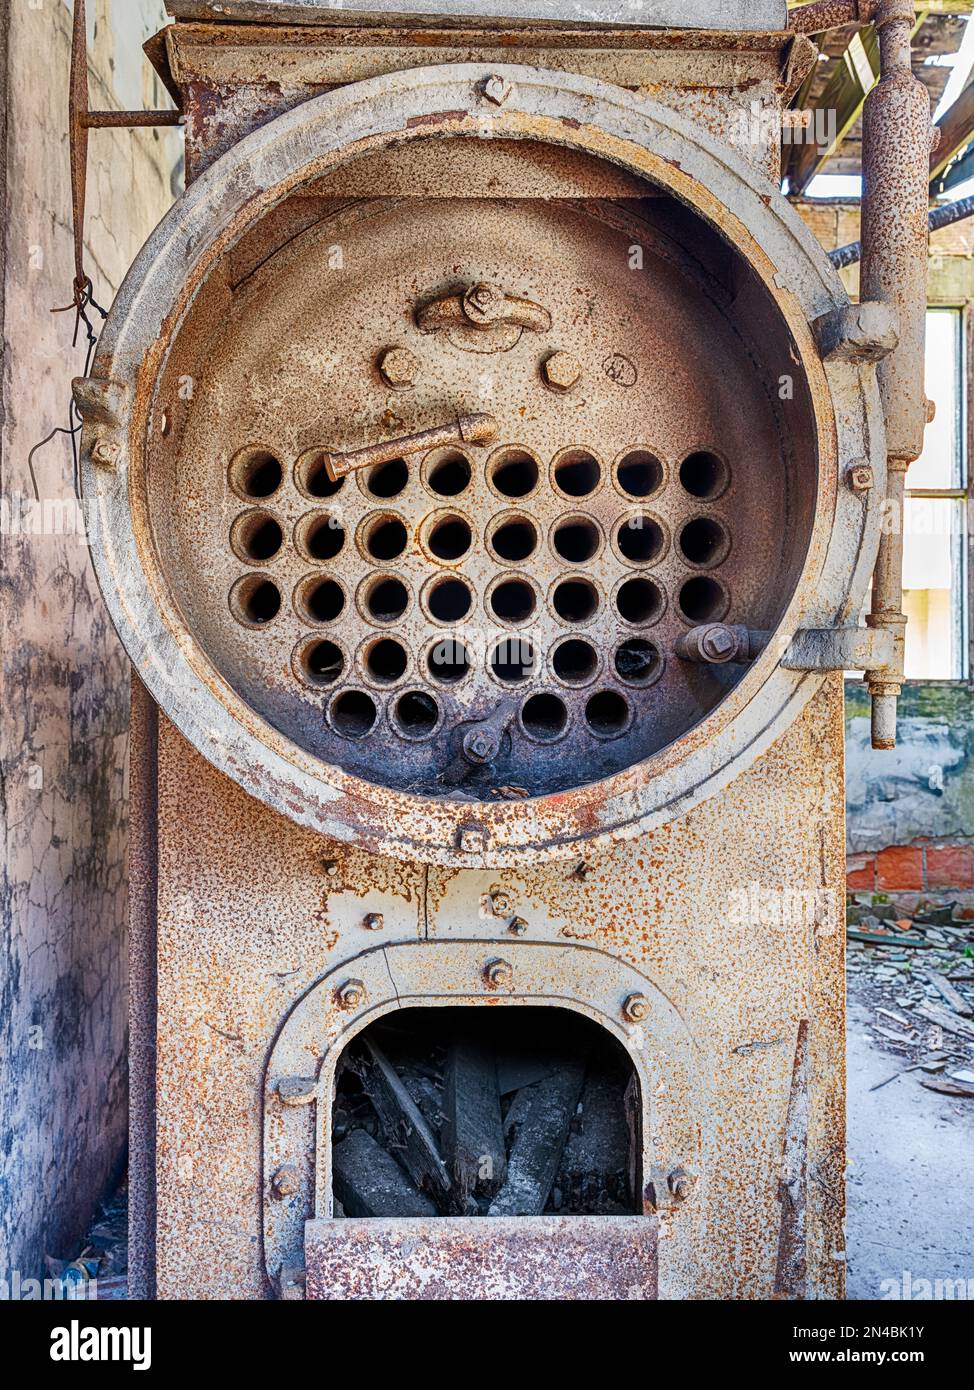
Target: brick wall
{"x":916,"y":868}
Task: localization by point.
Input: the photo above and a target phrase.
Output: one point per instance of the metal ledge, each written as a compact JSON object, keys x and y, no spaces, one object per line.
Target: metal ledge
{"x":501,"y":1258}
{"x":750,"y":16}
{"x":839,"y":649}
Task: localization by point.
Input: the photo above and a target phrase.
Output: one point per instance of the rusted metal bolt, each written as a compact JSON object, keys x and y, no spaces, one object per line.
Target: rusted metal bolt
{"x":483,"y":302}
{"x":860,"y":477}
{"x":351,"y":995}
{"x":286,"y":1181}
{"x":501,"y":904}
{"x":497,"y":89}
{"x":561,"y":371}
{"x":105,"y":452}
{"x":718,"y":642}
{"x":499,"y":973}
{"x":680,"y":1184}
{"x":480,"y":747}
{"x":373,"y":921}
{"x":472,"y":840}
{"x":296,"y":1090}
{"x":399,"y":367}
{"x":517,"y":926}
{"x":636,"y":1008}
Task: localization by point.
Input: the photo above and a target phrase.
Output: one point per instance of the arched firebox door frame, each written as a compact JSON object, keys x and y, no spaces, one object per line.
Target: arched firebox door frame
{"x":299,"y":1077}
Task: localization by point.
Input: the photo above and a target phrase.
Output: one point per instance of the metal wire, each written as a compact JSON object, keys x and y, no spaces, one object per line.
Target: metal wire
{"x":84,"y":301}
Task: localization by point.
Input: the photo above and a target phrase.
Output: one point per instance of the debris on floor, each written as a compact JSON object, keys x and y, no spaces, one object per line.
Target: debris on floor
{"x":101,"y":1269}
{"x":450,"y":1112}
{"x":914,"y":970}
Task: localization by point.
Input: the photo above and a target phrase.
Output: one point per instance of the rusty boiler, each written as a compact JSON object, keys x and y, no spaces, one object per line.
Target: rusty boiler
{"x":486,"y":471}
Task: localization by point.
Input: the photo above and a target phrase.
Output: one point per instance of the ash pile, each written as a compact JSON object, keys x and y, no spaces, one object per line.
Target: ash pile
{"x":454,"y":1112}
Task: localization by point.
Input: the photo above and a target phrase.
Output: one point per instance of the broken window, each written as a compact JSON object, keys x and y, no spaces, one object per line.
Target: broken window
{"x":474,"y":1112}
{"x":935,"y":523}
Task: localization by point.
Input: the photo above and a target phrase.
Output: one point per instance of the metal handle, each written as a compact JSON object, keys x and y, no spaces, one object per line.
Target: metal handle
{"x":483,"y":306}
{"x":468,"y":429}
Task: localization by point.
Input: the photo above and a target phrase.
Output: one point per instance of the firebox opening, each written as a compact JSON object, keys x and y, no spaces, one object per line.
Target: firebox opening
{"x":485,"y":1112}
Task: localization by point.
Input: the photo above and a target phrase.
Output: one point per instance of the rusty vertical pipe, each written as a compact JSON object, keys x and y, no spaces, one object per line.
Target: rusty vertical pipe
{"x":897,"y":132}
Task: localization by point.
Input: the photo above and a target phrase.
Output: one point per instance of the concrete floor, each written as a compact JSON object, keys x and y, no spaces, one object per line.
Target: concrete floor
{"x":910,"y":1174}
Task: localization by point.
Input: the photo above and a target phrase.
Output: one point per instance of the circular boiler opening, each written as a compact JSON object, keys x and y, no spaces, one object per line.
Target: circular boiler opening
{"x":592,"y":540}
{"x":509,"y":1112}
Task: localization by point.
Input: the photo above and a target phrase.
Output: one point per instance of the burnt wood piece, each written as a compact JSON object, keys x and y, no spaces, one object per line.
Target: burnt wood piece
{"x":473,"y":1132}
{"x":521,"y":1064}
{"x":406,"y":1134}
{"x":369,"y":1182}
{"x":537,"y":1124}
{"x":596,"y":1157}
{"x":427,"y":1096}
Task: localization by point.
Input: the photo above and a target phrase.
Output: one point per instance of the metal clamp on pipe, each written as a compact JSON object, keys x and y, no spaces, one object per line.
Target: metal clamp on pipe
{"x":897,"y":135}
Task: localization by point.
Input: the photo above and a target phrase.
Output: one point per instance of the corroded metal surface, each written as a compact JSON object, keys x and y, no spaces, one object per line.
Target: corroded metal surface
{"x":569,"y":110}
{"x":237,"y":77}
{"x":724,"y":913}
{"x":822,"y":15}
{"x":687,"y":904}
{"x":460,"y":971}
{"x":555,"y":562}
{"x":523,"y":1258}
{"x":683,"y":14}
{"x":143,"y":883}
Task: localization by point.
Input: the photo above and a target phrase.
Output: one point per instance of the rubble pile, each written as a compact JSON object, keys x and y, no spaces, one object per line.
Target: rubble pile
{"x":914,"y":971}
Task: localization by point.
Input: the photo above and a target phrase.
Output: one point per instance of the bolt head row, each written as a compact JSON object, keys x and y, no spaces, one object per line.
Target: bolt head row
{"x":498,"y":974}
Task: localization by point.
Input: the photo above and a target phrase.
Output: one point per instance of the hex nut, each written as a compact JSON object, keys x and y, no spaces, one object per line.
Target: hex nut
{"x":103,"y":451}
{"x":636,"y":1008}
{"x":517,"y":926}
{"x":561,"y":371}
{"x":286,"y":1181}
{"x":497,"y":89}
{"x":352,"y":994}
{"x":295,"y":1091}
{"x":681,"y":1184}
{"x":472,"y":840}
{"x":860,"y":477}
{"x":479,"y":746}
{"x":373,"y":921}
{"x":499,"y":974}
{"x":501,"y":904}
{"x":399,"y":367}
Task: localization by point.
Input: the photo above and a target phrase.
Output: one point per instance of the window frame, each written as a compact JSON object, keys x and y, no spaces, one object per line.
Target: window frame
{"x":963,"y":494}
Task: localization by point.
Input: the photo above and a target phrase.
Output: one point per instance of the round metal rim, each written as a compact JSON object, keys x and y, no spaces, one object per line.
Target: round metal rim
{"x":302,"y":145}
